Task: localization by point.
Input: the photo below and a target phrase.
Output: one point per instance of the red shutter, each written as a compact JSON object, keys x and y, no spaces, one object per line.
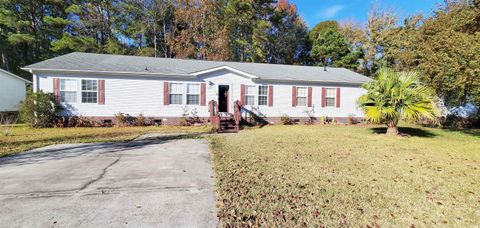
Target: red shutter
{"x":165,"y":93}
{"x":101,"y":92}
{"x":294,"y":96}
{"x":324,"y":92}
{"x":270,"y":95}
{"x":309,"y":99}
{"x":56,"y":89}
{"x":338,"y":98}
{"x":242,"y":94}
{"x":203,"y":96}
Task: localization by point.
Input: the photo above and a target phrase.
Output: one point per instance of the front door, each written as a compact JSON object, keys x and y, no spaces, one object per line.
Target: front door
{"x":223,"y":97}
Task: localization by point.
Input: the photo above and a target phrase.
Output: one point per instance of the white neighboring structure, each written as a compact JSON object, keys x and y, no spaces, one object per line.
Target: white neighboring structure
{"x":13,"y":89}
{"x":97,"y":85}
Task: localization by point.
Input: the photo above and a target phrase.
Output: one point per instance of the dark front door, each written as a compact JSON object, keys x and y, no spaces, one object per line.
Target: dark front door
{"x":223,"y":98}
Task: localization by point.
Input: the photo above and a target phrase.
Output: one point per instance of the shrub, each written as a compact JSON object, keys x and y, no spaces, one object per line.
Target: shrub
{"x":73,"y":121}
{"x":351,"y":120}
{"x":39,"y":109}
{"x":141,"y":120}
{"x":323,"y":120}
{"x":6,"y":124}
{"x":123,"y":120}
{"x":286,"y":120}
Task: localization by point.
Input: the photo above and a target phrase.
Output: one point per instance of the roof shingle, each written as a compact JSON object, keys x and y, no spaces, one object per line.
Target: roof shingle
{"x":165,"y":66}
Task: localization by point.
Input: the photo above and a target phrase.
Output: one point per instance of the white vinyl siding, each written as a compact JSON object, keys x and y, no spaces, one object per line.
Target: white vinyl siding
{"x":193,"y":94}
{"x":330,"y":97}
{"x":302,"y":96}
{"x":68,"y":90}
{"x":138,"y":94}
{"x":89,"y":91}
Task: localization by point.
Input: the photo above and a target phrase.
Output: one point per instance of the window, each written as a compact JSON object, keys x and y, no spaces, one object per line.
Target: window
{"x":89,"y":91}
{"x":175,"y":93}
{"x":193,"y":94}
{"x":262,"y":95}
{"x":68,"y":90}
{"x":301,"y":96}
{"x":330,"y":97}
{"x":250,"y":95}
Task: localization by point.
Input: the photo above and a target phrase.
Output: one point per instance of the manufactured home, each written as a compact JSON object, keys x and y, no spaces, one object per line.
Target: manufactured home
{"x":13,"y":89}
{"x":99,"y":85}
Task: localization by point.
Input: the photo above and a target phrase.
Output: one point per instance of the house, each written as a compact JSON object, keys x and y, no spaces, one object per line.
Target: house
{"x":99,"y":85}
{"x":12,"y":90}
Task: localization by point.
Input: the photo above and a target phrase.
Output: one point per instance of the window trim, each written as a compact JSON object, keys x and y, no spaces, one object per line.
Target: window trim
{"x":256,"y":94}
{"x":76,"y":90}
{"x":266,"y":95}
{"x":81,"y":90}
{"x":199,"y":93}
{"x":306,"y":96}
{"x":334,"y":97}
{"x":184,"y":93}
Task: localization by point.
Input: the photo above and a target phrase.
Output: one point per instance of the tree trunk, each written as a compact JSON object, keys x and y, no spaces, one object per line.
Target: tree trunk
{"x":392,"y":128}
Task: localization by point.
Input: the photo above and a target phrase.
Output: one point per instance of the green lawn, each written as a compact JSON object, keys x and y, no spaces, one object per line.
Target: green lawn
{"x":24,"y":138}
{"x":347,"y":176}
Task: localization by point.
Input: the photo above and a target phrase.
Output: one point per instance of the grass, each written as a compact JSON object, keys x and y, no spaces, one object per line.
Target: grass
{"x":23,"y":138}
{"x":347,"y":176}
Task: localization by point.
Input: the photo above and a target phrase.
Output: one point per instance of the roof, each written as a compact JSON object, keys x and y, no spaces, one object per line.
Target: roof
{"x":14,"y":76}
{"x":136,"y":65}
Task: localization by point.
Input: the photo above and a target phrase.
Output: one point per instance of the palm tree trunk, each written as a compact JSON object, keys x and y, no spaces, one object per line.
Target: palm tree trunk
{"x":392,"y":128}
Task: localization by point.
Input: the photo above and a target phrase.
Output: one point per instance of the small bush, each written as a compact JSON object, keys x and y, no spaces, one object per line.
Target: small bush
{"x":286,"y":120}
{"x":183,"y":121}
{"x":73,"y":121}
{"x":351,"y":120}
{"x":323,"y":120}
{"x":123,"y":120}
{"x":39,"y":109}
{"x":141,"y":120}
{"x":6,"y":124}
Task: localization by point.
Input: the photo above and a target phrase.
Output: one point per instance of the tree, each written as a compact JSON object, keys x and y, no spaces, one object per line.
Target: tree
{"x":448,"y":53}
{"x":200,"y":32}
{"x":330,"y":46}
{"x":288,"y":40}
{"x":395,"y":96}
{"x":26,"y":30}
{"x":375,"y":45}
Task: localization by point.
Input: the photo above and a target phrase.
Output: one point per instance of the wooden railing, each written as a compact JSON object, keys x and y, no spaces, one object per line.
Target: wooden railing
{"x":237,"y":114}
{"x":214,"y":114}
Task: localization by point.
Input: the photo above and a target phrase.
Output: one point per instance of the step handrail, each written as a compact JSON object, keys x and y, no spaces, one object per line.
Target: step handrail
{"x":214,"y":114}
{"x":237,"y":113}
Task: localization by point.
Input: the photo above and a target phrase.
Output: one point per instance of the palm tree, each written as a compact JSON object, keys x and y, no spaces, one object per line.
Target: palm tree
{"x":394,"y":96}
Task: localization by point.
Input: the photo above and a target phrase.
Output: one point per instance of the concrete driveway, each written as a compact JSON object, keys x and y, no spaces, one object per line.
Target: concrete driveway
{"x":142,"y":183}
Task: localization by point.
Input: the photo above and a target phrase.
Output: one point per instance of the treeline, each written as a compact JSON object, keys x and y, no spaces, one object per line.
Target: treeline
{"x":444,"y":47}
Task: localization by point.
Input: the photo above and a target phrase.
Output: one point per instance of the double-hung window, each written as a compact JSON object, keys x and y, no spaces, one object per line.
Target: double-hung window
{"x":262,"y":95}
{"x":250,"y":94}
{"x":301,"y":96}
{"x":68,"y":90}
{"x":175,"y":93}
{"x":89,"y":91}
{"x":193,"y":94}
{"x":330,"y":96}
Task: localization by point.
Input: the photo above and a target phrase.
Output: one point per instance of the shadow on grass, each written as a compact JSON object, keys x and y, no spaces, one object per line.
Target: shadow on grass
{"x":411,"y":131}
{"x":471,"y":132}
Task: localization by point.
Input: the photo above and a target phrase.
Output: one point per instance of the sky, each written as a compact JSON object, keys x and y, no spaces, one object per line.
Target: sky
{"x":314,"y":11}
